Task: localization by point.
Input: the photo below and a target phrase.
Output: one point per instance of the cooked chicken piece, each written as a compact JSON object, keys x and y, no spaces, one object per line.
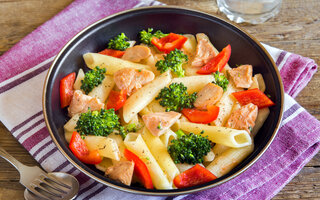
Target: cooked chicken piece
{"x":208,"y":95}
{"x":241,"y":76}
{"x":121,"y":171}
{"x":136,"y":53}
{"x":204,"y":52}
{"x":243,"y":118}
{"x":157,"y":123}
{"x":81,"y":102}
{"x":131,"y":79}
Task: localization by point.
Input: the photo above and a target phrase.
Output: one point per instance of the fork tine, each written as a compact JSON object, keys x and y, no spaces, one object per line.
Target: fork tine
{"x":46,"y":183}
{"x":46,"y":190}
{"x":35,"y":192}
{"x":51,"y":178}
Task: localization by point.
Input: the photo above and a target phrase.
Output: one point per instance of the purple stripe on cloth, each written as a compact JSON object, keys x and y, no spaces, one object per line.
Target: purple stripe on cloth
{"x":290,"y":111}
{"x":296,"y":73}
{"x":82,"y":178}
{"x":30,"y":128}
{"x":36,"y":47}
{"x":280,"y":58}
{"x":25,"y":122}
{"x":95,"y":193}
{"x":44,"y":157}
{"x":41,"y":148}
{"x":35,"y":138}
{"x":24,"y":78}
{"x":63,"y":165}
{"x":83,"y":190}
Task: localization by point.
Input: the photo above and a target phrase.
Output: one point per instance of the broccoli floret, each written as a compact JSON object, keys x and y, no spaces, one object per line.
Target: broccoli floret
{"x":92,"y":79}
{"x":173,"y":61}
{"x":131,"y":127}
{"x":189,"y":148}
{"x":120,"y":42}
{"x":146,"y":36}
{"x":220,"y":80}
{"x":99,"y":123}
{"x":175,"y":97}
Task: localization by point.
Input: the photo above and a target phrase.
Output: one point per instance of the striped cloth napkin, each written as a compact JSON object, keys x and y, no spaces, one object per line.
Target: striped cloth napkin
{"x":23,"y":69}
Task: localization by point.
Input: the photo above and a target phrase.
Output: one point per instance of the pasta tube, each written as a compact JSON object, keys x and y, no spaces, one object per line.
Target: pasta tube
{"x":167,"y":137}
{"x":194,"y":83}
{"x":102,"y":91}
{"x":112,"y":64}
{"x":107,"y":147}
{"x":137,"y":145}
{"x":160,"y":153}
{"x":261,"y":118}
{"x":225,"y":104}
{"x":220,"y":135}
{"x":142,"y":97}
{"x":229,"y":159}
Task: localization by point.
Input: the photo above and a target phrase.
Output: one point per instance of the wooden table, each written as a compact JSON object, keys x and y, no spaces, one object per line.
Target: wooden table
{"x":295,"y":29}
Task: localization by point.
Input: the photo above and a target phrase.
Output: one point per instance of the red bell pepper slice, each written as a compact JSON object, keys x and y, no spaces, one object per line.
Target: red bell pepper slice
{"x":196,"y":175}
{"x":203,"y":117}
{"x":140,"y":169}
{"x":116,"y":99}
{"x":254,"y":96}
{"x":169,"y":42}
{"x":81,"y":151}
{"x":217,"y":63}
{"x":112,"y":52}
{"x":66,"y":89}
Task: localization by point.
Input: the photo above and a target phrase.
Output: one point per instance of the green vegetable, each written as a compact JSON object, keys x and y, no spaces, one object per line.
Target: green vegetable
{"x":120,"y":42}
{"x":146,"y":36}
{"x":99,"y":123}
{"x":220,"y":80}
{"x":175,"y":97}
{"x":173,"y":61}
{"x":92,"y":79}
{"x":189,"y":148}
{"x":131,"y":127}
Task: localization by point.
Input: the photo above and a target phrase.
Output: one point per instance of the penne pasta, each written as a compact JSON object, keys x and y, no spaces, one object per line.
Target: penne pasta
{"x":225,"y":104}
{"x":194,"y":83}
{"x":219,"y":149}
{"x":220,"y":135}
{"x":261,"y":83}
{"x":80,"y":77}
{"x":112,"y":64}
{"x":229,"y":159}
{"x":152,"y":107}
{"x":70,"y":127}
{"x":104,"y":165}
{"x":67,"y":135}
{"x":209,"y":157}
{"x":118,"y":139}
{"x":136,"y":144}
{"x":167,"y":137}
{"x":102,"y":91}
{"x":261,"y":118}
{"x":142,"y":97}
{"x":107,"y":147}
{"x":160,"y":153}
{"x":254,"y":84}
{"x":190,"y":46}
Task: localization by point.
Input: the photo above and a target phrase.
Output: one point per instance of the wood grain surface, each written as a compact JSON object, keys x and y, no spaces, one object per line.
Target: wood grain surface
{"x":295,"y":29}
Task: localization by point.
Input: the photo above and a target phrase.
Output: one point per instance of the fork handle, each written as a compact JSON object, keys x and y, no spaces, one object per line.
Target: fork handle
{"x":4,"y":154}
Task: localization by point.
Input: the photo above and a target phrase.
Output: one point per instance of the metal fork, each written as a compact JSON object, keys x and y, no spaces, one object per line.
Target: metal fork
{"x":44,"y":185}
